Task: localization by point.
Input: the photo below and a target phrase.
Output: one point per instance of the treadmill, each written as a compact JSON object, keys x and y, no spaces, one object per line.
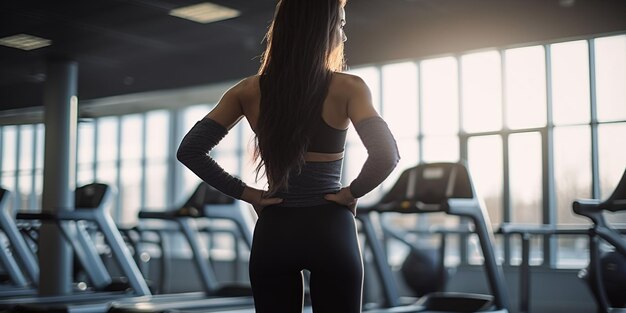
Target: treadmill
{"x":429,"y":188}
{"x":601,"y":230}
{"x":200,"y":214}
{"x":223,"y":298}
{"x":206,"y":203}
{"x":17,"y":261}
{"x":90,"y":200}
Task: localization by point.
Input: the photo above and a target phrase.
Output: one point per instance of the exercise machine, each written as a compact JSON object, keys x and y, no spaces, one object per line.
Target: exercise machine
{"x":90,"y":202}
{"x":18,"y":262}
{"x":206,"y":203}
{"x":430,"y":188}
{"x":606,"y":273}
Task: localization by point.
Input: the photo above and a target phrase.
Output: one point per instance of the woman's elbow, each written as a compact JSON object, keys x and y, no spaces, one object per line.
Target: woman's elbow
{"x":393,"y":155}
{"x":393,"y":160}
{"x":182,"y":155}
{"x":388,"y":161}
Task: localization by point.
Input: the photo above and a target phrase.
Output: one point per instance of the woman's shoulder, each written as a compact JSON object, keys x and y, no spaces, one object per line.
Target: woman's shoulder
{"x":249,"y":83}
{"x":349,"y":83}
{"x":247,"y":87}
{"x":346,"y":78}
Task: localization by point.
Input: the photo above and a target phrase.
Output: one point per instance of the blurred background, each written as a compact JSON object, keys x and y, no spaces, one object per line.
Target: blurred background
{"x":531,"y":94}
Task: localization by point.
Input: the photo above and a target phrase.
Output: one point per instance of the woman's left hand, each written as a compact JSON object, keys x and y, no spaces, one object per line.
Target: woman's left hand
{"x":344,"y":197}
{"x":257,"y":198}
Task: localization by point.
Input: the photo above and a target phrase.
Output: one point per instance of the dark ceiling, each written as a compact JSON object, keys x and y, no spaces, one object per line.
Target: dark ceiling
{"x":132,"y":46}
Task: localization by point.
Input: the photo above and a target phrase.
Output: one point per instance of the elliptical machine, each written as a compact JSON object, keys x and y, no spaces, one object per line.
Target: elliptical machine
{"x":604,"y":270}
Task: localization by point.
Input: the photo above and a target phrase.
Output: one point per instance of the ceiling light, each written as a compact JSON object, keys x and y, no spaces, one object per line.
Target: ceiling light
{"x":205,"y":12}
{"x":25,"y":42}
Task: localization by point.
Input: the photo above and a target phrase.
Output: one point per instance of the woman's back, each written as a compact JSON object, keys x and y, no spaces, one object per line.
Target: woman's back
{"x":321,"y":174}
{"x":333,"y":121}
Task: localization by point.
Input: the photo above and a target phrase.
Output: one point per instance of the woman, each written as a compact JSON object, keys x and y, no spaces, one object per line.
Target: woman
{"x":299,"y":106}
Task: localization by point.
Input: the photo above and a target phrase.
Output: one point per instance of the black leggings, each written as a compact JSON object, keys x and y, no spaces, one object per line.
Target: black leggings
{"x":321,"y":239}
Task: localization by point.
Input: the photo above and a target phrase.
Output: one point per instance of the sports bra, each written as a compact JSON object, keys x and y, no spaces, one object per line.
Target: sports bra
{"x":325,"y":138}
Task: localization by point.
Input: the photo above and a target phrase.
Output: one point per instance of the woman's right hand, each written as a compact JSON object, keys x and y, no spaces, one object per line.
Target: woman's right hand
{"x":257,"y":198}
{"x":344,"y":197}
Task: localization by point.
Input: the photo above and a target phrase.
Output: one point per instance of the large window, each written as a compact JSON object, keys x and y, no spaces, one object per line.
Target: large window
{"x":482,"y":91}
{"x":21,"y":165}
{"x":527,"y":120}
{"x":486,"y":167}
{"x":572,"y":170}
{"x":440,"y":109}
{"x":610,"y":69}
{"x":9,"y":162}
{"x":525,"y":177}
{"x":572,"y":136}
{"x":400,"y":96}
{"x":131,"y":171}
{"x":525,"y":86}
{"x":570,"y":82}
{"x":85,"y":153}
{"x":610,"y":65}
{"x":157,"y":130}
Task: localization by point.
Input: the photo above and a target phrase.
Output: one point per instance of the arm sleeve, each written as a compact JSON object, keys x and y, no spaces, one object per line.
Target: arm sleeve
{"x":193,"y":152}
{"x":382,"y":151}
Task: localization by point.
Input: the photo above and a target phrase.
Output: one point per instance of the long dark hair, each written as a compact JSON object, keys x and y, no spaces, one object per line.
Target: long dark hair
{"x":303,"y":48}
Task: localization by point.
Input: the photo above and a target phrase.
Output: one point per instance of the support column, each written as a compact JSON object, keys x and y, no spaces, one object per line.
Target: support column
{"x":60,"y":119}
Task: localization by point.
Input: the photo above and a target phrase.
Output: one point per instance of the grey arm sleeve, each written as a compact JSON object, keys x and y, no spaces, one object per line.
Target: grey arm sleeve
{"x":382,"y":154}
{"x":193,"y":152}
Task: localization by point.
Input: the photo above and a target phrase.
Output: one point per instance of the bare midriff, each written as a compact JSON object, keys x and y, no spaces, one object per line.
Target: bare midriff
{"x":322,"y":157}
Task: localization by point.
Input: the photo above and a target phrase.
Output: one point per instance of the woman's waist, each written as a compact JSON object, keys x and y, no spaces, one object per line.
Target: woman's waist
{"x":304,"y":200}
{"x":298,"y":192}
{"x":298,"y":195}
{"x":313,"y":182}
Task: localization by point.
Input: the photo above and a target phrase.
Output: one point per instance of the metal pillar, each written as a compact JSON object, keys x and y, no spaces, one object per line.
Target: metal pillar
{"x":60,"y":119}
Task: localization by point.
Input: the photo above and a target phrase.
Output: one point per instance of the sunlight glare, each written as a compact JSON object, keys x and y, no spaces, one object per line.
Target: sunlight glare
{"x":440,"y":96}
{"x":525,"y":169}
{"x":572,"y":170}
{"x":570,"y":82}
{"x":611,"y":77}
{"x":441,"y":148}
{"x":400,"y":99}
{"x":482,"y":91}
{"x":486,"y":166}
{"x":525,"y":87}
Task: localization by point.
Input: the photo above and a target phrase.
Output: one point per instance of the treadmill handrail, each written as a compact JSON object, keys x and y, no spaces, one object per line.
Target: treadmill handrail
{"x":24,"y":255}
{"x":112,"y":236}
{"x":187,"y":225}
{"x":474,"y":209}
{"x":612,"y":237}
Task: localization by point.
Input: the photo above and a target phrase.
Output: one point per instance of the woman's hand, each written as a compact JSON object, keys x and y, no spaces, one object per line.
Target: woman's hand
{"x":343,"y":197}
{"x":257,"y":198}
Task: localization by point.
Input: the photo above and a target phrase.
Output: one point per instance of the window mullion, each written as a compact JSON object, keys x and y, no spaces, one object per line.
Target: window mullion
{"x":593,"y":107}
{"x":548,"y":206}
